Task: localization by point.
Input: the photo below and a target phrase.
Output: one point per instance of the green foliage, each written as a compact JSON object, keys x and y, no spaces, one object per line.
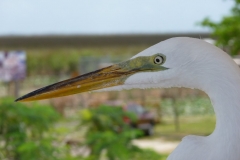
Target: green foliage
{"x":190,"y":125}
{"x":227,"y":31}
{"x":23,"y":131}
{"x":107,"y":132}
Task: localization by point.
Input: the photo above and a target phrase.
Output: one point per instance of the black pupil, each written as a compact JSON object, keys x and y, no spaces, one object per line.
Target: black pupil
{"x":158,"y":60}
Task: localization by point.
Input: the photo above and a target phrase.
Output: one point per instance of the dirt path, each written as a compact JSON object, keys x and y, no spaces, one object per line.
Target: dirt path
{"x":157,"y":144}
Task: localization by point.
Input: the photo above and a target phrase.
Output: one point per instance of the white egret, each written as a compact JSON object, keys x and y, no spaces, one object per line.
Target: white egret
{"x":176,"y":62}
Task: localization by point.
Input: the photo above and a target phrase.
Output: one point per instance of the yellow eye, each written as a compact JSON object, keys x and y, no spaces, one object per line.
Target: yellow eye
{"x":158,"y":59}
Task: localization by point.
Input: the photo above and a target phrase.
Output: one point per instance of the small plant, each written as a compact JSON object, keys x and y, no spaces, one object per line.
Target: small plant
{"x":108,"y":135}
{"x":23,"y":131}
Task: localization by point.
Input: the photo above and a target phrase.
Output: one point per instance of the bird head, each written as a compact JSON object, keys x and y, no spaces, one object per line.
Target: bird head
{"x":176,"y":62}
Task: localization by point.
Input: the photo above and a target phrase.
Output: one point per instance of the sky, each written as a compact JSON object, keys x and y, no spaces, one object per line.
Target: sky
{"x":44,"y":17}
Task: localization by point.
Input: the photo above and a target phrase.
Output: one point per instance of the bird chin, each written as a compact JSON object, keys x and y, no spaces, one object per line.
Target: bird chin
{"x":130,"y":86}
{"x":114,"y":88}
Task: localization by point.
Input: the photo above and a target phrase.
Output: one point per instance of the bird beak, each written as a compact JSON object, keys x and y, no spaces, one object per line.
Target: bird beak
{"x":114,"y":75}
{"x":107,"y":77}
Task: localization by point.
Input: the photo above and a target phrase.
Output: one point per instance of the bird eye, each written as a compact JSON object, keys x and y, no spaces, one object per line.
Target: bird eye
{"x":158,"y":59}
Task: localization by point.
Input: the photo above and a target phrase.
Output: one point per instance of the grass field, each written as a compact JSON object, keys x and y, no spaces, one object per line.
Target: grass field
{"x":165,"y":133}
{"x":194,"y":125}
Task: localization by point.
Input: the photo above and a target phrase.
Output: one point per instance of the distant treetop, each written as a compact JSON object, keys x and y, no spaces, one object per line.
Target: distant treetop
{"x":227,"y":31}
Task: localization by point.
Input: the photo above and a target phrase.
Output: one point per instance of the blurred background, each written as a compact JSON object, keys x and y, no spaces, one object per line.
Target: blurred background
{"x":43,"y":42}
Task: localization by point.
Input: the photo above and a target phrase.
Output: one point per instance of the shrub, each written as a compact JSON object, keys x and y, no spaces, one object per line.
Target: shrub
{"x":23,"y":131}
{"x":108,"y":133}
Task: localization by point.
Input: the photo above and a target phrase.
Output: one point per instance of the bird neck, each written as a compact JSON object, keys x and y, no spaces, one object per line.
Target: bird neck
{"x":225,"y":98}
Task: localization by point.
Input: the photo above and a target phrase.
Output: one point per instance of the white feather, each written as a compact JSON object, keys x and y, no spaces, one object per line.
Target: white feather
{"x":194,"y":63}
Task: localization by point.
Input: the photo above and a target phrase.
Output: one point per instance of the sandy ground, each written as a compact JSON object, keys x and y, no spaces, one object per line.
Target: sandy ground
{"x":157,"y":144}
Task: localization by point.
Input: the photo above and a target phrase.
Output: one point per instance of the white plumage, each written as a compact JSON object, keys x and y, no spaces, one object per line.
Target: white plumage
{"x":194,"y":63}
